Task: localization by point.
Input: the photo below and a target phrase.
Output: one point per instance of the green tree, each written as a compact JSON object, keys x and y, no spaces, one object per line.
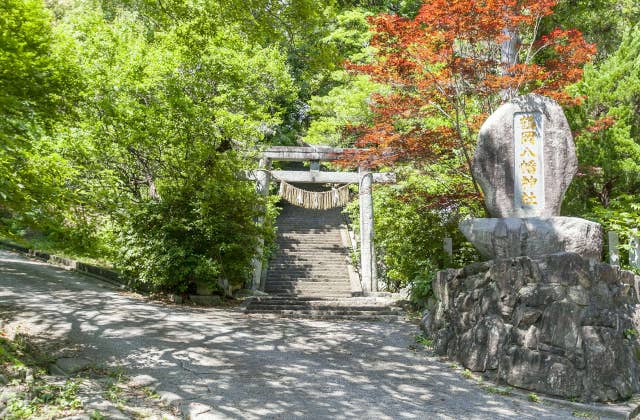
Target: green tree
{"x":36,"y":88}
{"x":608,"y":146}
{"x":603,"y":22}
{"x":157,"y":143}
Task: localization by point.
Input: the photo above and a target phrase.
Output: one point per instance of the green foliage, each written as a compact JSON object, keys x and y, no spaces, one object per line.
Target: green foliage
{"x":347,"y":101}
{"x":410,"y":235}
{"x":585,"y":414}
{"x":424,"y":340}
{"x":498,"y":391}
{"x":35,"y":398}
{"x":158,"y":128}
{"x":201,"y":231}
{"x":608,"y":147}
{"x":603,"y":22}
{"x":144,"y":171}
{"x":36,"y":81}
{"x":345,"y":104}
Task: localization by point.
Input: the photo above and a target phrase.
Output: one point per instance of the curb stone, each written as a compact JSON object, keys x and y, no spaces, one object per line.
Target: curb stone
{"x":110,"y":276}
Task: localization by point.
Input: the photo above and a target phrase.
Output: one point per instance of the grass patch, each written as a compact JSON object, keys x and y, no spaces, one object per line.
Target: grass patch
{"x":467,"y":374}
{"x":29,"y":395}
{"x":584,"y":414}
{"x":533,"y":397}
{"x":424,"y":340}
{"x":498,"y":391}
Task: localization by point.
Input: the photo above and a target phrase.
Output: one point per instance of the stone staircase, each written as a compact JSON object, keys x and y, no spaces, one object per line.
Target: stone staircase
{"x":311,"y":258}
{"x":308,"y":277}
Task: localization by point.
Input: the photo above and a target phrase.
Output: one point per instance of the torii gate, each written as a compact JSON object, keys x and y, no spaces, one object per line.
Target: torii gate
{"x":317,"y":154}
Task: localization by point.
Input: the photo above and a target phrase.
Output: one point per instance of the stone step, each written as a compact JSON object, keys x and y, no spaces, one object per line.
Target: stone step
{"x":311,"y":244}
{"x":312,"y":239}
{"x":307,"y":265}
{"x":302,"y":266}
{"x":338,"y":311}
{"x":313,"y":294}
{"x":309,"y":230}
{"x":302,"y":306}
{"x":310,"y":247}
{"x":333,"y":232}
{"x":303,"y":282}
{"x":310,"y":274}
{"x":300,"y":282}
{"x":308,"y":290}
{"x":284,"y":278}
{"x":319,"y":255}
{"x":303,"y":279}
{"x":296,"y":271}
{"x":328,"y":315}
{"x":323,"y":317}
{"x":272,"y":283}
{"x":314,"y":251}
{"x":337,"y":259}
{"x":301,"y":291}
{"x":307,"y":249}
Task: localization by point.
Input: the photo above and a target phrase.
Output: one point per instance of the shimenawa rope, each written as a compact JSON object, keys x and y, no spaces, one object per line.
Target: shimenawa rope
{"x":319,"y":200}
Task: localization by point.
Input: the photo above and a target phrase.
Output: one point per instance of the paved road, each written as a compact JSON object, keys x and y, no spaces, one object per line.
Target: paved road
{"x":218,"y":363}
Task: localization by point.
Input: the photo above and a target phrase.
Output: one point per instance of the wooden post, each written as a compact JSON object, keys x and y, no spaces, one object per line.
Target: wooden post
{"x":614,"y":255}
{"x":263,"y":179}
{"x":367,"y":255}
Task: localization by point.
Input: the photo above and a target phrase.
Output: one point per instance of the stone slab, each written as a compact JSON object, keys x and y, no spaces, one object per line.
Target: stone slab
{"x":204,"y":300}
{"x":533,"y":236}
{"x":71,"y":365}
{"x":552,"y":157}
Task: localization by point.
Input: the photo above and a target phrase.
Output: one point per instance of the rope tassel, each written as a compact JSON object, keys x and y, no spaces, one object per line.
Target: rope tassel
{"x":318,"y":200}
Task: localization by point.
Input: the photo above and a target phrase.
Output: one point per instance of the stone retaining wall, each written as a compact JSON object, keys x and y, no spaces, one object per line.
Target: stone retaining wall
{"x":557,"y":324}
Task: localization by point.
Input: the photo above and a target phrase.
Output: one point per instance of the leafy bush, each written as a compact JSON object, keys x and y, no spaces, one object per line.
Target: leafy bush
{"x":201,"y":230}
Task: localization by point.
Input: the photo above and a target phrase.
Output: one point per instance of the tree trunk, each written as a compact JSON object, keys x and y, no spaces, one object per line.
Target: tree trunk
{"x":509,"y":57}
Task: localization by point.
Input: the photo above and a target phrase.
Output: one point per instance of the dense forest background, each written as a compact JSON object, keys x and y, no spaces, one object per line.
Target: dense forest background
{"x":123,"y":124}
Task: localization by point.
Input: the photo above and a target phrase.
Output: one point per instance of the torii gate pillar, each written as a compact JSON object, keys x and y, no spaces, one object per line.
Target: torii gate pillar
{"x":369,"y":276}
{"x":263,"y":178}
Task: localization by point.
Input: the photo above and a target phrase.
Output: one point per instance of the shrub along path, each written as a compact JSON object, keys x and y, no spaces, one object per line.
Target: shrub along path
{"x":219,"y":363}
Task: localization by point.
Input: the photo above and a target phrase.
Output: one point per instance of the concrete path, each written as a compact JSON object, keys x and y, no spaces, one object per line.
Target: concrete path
{"x":218,"y":363}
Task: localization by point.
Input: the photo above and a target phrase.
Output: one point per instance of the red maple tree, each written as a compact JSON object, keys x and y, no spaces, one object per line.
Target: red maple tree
{"x":450,"y":67}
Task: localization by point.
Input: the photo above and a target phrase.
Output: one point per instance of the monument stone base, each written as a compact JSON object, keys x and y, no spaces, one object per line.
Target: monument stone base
{"x":533,"y":236}
{"x":558,"y":324}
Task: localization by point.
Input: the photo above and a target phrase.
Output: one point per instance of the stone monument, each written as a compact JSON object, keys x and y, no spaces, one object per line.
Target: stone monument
{"x":544,"y":313}
{"x":524,"y":163}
